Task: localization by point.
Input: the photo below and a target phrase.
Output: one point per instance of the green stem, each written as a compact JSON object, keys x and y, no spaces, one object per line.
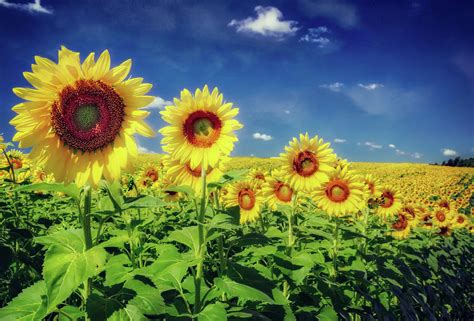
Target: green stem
{"x":335,"y":248}
{"x":202,"y":246}
{"x":86,"y":227}
{"x":13,"y":177}
{"x":291,"y":242}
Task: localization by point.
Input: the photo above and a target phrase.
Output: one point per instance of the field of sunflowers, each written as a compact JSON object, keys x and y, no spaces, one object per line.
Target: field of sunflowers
{"x":92,"y":230}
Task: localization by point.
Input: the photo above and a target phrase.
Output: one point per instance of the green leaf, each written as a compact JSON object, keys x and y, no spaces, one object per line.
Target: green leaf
{"x":71,"y":311}
{"x":99,"y":308}
{"x":188,"y":236}
{"x":148,"y":299}
{"x":213,"y":312}
{"x":71,"y":190}
{"x":327,"y":314}
{"x":28,"y":305}
{"x":67,"y":264}
{"x":241,"y":291}
{"x":184,"y":189}
{"x":117,"y":270}
{"x":145,"y":201}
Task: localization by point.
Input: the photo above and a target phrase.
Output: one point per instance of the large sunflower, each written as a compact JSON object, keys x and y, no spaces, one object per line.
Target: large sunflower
{"x":342,"y":194}
{"x":80,"y":119}
{"x":201,"y":128}
{"x":307,"y":162}
{"x":390,"y":201}
{"x":276,"y":191}
{"x":402,"y":226}
{"x":248,"y":197}
{"x":442,"y":217}
{"x":184,"y":174}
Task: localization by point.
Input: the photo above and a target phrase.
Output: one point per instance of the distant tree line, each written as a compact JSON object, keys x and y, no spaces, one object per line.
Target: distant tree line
{"x":458,"y":162}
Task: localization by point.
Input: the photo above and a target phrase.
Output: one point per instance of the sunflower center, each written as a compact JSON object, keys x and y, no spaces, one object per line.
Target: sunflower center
{"x":196,"y":172}
{"x":460,"y":219}
{"x":401,"y":224}
{"x":440,"y":216}
{"x":247,"y":199}
{"x":283,"y":192}
{"x":88,"y":115}
{"x":305,"y":164}
{"x":371,"y":187}
{"x":17,"y":163}
{"x":337,"y":191}
{"x":260,"y":176}
{"x":387,"y":199}
{"x":152,"y":174}
{"x":202,"y":128}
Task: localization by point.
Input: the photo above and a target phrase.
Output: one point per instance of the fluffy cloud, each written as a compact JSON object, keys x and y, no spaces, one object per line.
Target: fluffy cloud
{"x":370,"y":86}
{"x":144,"y":150}
{"x":417,"y":155}
{"x":339,"y":140}
{"x":286,"y":111}
{"x":449,"y":152}
{"x":269,"y":22}
{"x":345,"y":14}
{"x":159,"y":103}
{"x":317,"y":36}
{"x":372,"y":146}
{"x":399,"y":152}
{"x":260,"y":136}
{"x":392,"y":146}
{"x":336,"y":87}
{"x":34,"y":7}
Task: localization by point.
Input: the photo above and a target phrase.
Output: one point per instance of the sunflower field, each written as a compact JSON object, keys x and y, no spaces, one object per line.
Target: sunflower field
{"x":93,"y":230}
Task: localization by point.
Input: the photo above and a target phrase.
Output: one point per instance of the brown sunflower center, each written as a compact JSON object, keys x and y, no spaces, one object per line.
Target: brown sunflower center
{"x":306,"y":163}
{"x":88,"y":115}
{"x":260,"y":176}
{"x":371,"y":187}
{"x":16,"y":163}
{"x":283,"y":192}
{"x":401,"y":224}
{"x":247,"y":199}
{"x":202,"y":128}
{"x":444,"y":204}
{"x":337,"y":191}
{"x":440,"y":216}
{"x":460,"y":219}
{"x":152,"y":174}
{"x":196,"y":172}
{"x":387,"y":199}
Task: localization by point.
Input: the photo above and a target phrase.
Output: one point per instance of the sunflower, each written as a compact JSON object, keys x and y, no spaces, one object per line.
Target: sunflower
{"x":461,"y":221}
{"x":276,"y":191}
{"x":402,"y":226}
{"x":371,"y":185}
{"x":80,"y":119}
{"x":342,"y":194}
{"x":184,"y":174}
{"x":19,"y":162}
{"x":390,"y":202}
{"x":258,"y":175}
{"x":201,"y":129}
{"x":307,"y":162}
{"x":148,"y":175}
{"x":248,"y":197}
{"x":442,"y":217}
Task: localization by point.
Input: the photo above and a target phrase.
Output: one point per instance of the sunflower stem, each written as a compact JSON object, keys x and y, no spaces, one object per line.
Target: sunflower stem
{"x":13,"y":177}
{"x":202,"y":246}
{"x":335,"y":248}
{"x":220,"y":244}
{"x":291,"y":241}
{"x":86,"y":227}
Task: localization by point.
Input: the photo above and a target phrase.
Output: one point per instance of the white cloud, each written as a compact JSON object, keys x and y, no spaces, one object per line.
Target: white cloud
{"x":159,"y":103}
{"x":417,"y":155}
{"x":392,"y":146}
{"x":370,"y":86}
{"x":399,"y":152}
{"x":449,"y":152}
{"x":372,"y":146}
{"x":30,"y":7}
{"x":269,"y":22}
{"x":144,"y":150}
{"x":318,"y":36}
{"x":345,"y":14}
{"x":336,"y":87}
{"x":286,"y":111}
{"x":340,"y":140}
{"x":264,"y":137}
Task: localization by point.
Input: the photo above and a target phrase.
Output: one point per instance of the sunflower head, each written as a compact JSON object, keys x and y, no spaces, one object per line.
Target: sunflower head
{"x":258,"y":175}
{"x":81,"y":118}
{"x":247,"y":197}
{"x":307,"y":162}
{"x":201,"y":128}
{"x":401,"y":226}
{"x":341,"y":194}
{"x":276,"y":190}
{"x":461,"y":221}
{"x":442,"y":216}
{"x":2,"y":143}
{"x":389,"y":201}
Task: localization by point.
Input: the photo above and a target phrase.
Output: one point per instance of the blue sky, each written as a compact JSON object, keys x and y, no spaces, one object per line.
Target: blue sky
{"x":382,"y":81}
